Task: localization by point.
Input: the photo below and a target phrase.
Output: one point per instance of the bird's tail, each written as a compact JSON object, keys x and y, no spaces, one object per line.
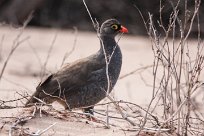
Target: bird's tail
{"x":35,"y":97}
{"x":32,"y":99}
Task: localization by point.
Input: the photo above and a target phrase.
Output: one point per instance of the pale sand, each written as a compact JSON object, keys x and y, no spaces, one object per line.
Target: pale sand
{"x":23,"y":64}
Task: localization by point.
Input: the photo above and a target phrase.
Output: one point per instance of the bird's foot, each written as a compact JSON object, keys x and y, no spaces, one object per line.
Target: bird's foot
{"x":90,"y":114}
{"x":89,"y":110}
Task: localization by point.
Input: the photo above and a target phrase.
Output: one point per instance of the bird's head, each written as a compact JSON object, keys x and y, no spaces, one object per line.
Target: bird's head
{"x":112,"y":27}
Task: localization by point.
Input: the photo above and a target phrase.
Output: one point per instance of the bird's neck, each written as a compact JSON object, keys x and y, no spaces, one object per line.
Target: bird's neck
{"x":113,"y":55}
{"x":108,"y":44}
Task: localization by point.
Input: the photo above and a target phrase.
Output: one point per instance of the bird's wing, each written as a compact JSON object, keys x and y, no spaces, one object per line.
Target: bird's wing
{"x":71,"y":76}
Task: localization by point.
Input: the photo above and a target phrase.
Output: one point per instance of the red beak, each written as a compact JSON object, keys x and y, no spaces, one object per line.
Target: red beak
{"x":123,"y":29}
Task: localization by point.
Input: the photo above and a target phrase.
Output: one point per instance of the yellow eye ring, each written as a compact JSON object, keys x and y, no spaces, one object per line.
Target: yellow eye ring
{"x":115,"y":27}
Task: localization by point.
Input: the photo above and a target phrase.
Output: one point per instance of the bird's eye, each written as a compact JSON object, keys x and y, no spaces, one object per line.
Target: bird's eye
{"x":115,"y":27}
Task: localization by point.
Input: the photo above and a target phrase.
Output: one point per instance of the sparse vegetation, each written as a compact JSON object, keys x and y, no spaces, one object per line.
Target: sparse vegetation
{"x":175,"y":107}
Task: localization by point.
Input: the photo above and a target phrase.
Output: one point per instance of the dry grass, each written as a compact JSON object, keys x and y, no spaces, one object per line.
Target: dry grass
{"x":175,"y":88}
{"x":172,"y":109}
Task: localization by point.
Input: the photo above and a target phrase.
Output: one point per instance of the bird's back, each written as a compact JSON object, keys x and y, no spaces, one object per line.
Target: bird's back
{"x":69,"y":79}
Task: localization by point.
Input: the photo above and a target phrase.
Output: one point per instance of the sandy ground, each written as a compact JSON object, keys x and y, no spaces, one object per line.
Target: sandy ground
{"x":27,"y":59}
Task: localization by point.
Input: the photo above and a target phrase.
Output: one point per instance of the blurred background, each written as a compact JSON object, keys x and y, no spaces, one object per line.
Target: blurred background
{"x":72,"y":13}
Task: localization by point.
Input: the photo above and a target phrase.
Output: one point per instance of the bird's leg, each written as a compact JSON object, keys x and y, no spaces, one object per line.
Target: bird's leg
{"x":89,"y":110}
{"x":89,"y":114}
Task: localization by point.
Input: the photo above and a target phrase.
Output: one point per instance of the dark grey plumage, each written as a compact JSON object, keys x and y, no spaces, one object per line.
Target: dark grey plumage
{"x":84,"y":82}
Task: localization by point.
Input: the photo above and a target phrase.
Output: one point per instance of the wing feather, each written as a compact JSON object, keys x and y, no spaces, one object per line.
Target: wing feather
{"x":71,"y":76}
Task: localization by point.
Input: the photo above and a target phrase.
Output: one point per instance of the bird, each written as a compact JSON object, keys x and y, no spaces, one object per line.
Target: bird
{"x":84,"y":83}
